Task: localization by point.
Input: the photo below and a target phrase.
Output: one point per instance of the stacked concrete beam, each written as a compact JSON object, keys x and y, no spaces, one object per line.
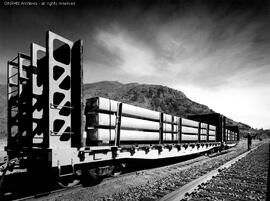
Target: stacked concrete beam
{"x":230,"y":135}
{"x":140,"y":124}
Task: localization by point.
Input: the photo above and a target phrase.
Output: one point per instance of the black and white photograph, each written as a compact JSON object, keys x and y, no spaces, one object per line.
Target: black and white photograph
{"x":134,"y":100}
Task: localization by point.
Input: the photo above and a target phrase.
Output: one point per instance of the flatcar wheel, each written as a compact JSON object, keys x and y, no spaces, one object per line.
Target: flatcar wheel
{"x":90,"y":177}
{"x":69,"y":181}
{"x":119,"y":169}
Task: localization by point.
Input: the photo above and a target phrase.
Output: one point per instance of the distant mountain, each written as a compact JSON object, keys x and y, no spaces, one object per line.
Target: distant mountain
{"x":154,"y":97}
{"x":262,"y":134}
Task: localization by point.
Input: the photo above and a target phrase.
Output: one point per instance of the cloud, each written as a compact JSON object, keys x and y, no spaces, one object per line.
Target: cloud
{"x":135,"y":58}
{"x":209,"y":51}
{"x":247,"y":104}
{"x":216,"y":51}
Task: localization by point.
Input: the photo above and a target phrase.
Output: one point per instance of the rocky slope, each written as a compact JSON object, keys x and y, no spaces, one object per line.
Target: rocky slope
{"x":154,"y":97}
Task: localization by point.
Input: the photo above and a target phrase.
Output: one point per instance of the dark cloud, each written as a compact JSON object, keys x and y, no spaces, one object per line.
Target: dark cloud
{"x":217,"y":51}
{"x":210,"y":39}
{"x":98,"y":54}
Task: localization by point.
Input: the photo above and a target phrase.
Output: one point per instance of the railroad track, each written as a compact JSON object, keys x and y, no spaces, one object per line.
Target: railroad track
{"x":169,"y":182}
{"x":43,"y":194}
{"x":244,"y":180}
{"x":57,"y":190}
{"x":154,"y":171}
{"x":8,"y":196}
{"x":180,"y":193}
{"x":162,"y":180}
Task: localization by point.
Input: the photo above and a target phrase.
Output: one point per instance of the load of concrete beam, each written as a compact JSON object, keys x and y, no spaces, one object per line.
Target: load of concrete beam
{"x":108,"y":120}
{"x":140,"y":124}
{"x":230,"y":135}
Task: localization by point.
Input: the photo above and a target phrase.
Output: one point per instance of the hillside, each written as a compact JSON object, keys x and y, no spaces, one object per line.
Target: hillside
{"x":154,"y":97}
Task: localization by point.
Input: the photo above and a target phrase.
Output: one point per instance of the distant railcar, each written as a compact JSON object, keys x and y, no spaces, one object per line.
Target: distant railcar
{"x":226,"y":133}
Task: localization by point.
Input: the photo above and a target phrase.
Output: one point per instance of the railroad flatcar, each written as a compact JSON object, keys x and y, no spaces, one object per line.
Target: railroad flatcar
{"x":226,"y":133}
{"x":49,"y":134}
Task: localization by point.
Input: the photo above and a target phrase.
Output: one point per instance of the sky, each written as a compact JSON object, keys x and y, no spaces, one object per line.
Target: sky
{"x":215,"y":51}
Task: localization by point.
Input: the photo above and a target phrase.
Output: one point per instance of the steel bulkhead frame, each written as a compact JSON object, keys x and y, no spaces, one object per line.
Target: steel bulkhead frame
{"x":161,"y":121}
{"x":224,"y":127}
{"x":39,"y":80}
{"x":19,"y":107}
{"x":24,"y":103}
{"x":59,"y":91}
{"x":118,"y":124}
{"x":207,"y":133}
{"x":77,"y":94}
{"x":12,"y":102}
{"x":179,"y":130}
{"x":172,"y":127}
{"x":199,"y":132}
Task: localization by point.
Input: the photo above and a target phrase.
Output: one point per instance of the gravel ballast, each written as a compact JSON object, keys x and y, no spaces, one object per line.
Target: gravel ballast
{"x":244,"y":180}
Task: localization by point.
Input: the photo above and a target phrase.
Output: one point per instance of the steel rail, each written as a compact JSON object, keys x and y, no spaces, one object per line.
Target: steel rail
{"x":180,"y":193}
{"x":108,"y":179}
{"x":138,"y":171}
